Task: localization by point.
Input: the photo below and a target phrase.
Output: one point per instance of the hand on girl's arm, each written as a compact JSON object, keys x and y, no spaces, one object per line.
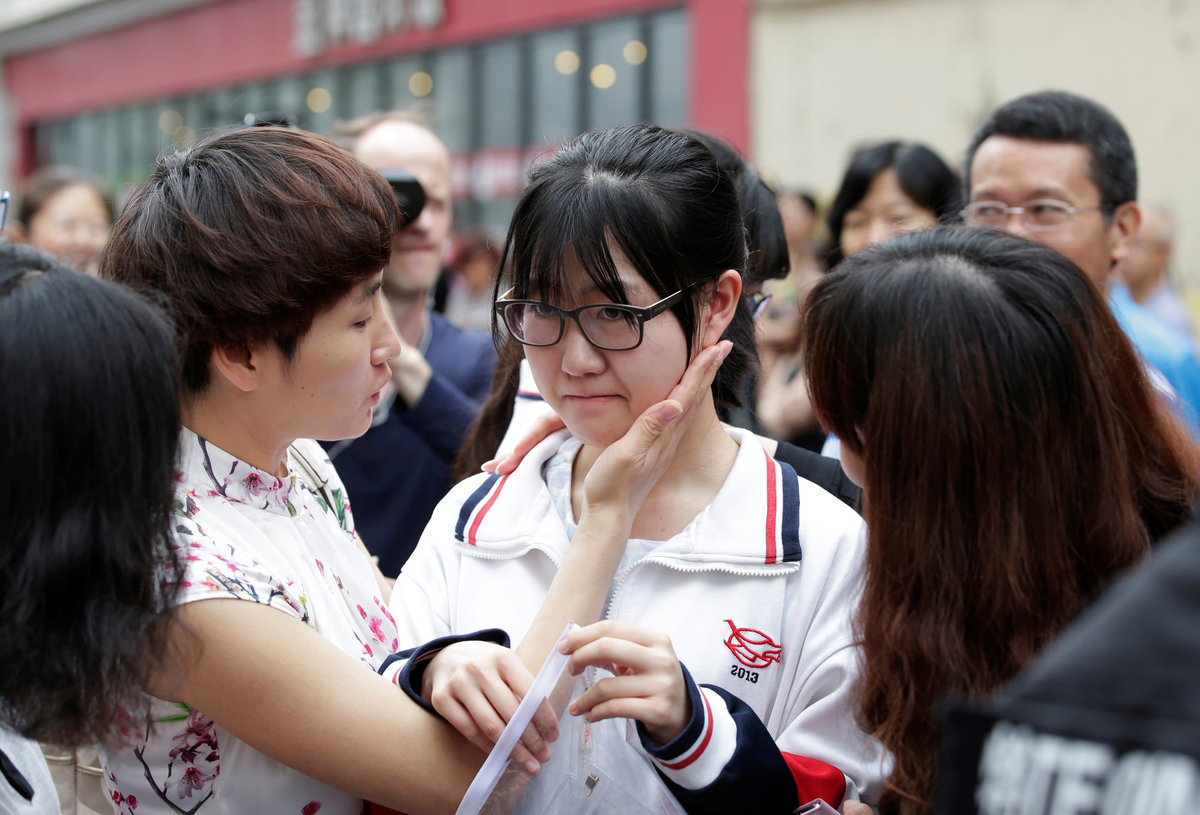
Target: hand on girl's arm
{"x":538,"y":431}
{"x":476,"y":686}
{"x":647,"y":685}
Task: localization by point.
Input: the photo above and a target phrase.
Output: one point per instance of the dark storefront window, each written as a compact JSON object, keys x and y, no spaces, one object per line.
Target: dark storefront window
{"x":496,"y":104}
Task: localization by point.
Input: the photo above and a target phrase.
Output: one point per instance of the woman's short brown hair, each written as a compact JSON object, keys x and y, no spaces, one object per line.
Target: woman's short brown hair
{"x":248,"y":235}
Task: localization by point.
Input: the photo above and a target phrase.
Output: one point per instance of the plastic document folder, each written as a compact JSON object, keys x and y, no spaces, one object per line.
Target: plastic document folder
{"x":594,"y":769}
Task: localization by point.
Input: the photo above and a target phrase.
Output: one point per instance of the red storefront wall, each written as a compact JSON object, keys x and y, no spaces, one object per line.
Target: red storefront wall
{"x":232,"y":41}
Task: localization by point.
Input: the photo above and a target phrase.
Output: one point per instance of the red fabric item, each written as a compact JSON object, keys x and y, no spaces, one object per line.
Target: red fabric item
{"x":816,"y":779}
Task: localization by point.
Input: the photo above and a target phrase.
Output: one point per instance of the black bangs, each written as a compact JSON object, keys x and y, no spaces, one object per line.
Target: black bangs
{"x":592,"y":216}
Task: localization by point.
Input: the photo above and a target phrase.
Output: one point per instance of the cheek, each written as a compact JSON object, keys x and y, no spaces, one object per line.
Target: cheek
{"x":655,"y":368}
{"x":1090,"y":252}
{"x":440,"y":223}
{"x":543,"y":363}
{"x":854,"y":241}
{"x":42,"y":235}
{"x":855,"y":466}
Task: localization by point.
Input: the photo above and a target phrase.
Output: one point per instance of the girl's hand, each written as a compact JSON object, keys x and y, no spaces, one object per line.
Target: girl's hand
{"x":648,"y":684}
{"x":626,"y":471}
{"x":856,"y":808}
{"x":538,"y":431}
{"x":476,"y":687}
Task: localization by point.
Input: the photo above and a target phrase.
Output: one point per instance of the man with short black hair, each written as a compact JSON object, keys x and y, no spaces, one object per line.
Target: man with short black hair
{"x":1059,"y":169}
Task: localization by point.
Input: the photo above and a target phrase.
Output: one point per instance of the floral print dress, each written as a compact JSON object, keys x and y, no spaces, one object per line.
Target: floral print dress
{"x":248,"y":535}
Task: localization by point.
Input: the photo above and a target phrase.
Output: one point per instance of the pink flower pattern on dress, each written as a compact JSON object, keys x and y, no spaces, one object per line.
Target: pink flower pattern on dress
{"x":178,"y":767}
{"x":253,"y":484}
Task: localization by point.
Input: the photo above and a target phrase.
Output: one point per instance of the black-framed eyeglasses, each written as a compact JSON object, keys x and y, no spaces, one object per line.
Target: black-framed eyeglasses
{"x":607,"y":326}
{"x":1043,"y":213}
{"x":3,"y":208}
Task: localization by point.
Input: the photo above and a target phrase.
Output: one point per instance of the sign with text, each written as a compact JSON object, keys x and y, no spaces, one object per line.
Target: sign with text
{"x":323,"y":24}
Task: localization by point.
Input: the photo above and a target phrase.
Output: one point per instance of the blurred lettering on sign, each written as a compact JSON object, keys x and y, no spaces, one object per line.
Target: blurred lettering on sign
{"x":322,"y":24}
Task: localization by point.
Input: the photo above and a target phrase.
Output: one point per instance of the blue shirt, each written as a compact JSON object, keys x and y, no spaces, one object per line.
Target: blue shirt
{"x":1164,"y":349}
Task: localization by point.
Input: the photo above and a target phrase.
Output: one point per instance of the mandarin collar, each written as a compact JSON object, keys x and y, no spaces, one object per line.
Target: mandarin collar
{"x":242,"y":482}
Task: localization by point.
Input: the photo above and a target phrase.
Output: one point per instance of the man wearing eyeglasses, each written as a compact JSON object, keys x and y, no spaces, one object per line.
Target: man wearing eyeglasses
{"x":1060,"y":170}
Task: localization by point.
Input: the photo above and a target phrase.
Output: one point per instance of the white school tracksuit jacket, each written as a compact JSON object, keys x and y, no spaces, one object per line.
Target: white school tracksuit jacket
{"x":756,"y":593}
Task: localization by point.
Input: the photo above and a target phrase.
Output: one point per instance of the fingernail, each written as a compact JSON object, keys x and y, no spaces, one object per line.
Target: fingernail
{"x":532,"y":767}
{"x":670,"y":412}
{"x":489,"y":463}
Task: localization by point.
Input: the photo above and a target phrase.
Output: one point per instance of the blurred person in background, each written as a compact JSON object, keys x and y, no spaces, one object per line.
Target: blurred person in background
{"x":402,"y":466}
{"x":473,"y":263}
{"x":782,"y":407}
{"x":1059,"y":169}
{"x":66,"y":213}
{"x":801,"y":223}
{"x":1145,"y":271}
{"x":889,"y":188}
{"x":978,"y":381}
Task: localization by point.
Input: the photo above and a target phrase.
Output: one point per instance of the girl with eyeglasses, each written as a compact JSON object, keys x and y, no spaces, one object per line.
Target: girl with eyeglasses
{"x":719,"y":676}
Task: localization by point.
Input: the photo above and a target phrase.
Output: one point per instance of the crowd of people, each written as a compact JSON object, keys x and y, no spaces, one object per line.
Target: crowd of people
{"x":816,"y":503}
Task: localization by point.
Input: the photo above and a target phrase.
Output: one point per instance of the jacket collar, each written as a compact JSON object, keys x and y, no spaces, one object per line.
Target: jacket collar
{"x":752,"y":521}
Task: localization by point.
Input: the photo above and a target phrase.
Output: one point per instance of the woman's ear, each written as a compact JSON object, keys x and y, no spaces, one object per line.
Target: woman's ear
{"x":722,"y":306}
{"x":237,"y":366}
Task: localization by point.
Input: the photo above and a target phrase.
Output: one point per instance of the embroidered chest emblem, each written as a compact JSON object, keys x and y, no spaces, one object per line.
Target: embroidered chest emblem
{"x":751,"y":647}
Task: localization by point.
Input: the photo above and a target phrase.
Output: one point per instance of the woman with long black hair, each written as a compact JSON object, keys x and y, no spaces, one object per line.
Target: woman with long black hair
{"x":88,"y":428}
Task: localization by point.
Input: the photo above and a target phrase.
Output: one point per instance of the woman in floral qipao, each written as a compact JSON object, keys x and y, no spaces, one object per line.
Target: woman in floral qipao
{"x":267,"y":245}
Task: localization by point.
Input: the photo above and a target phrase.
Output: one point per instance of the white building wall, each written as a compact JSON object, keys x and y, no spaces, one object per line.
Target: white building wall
{"x":829,"y":75}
